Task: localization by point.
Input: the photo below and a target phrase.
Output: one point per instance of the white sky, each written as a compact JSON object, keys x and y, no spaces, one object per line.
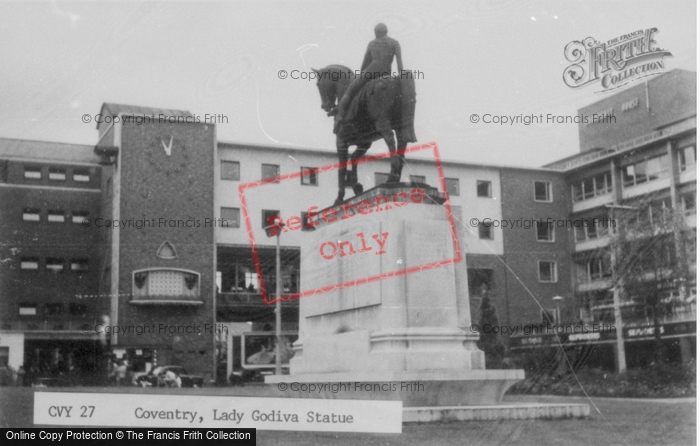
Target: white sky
{"x":61,"y":60}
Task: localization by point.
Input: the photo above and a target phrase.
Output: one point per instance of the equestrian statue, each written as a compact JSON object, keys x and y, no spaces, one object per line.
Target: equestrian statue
{"x":371,"y":105}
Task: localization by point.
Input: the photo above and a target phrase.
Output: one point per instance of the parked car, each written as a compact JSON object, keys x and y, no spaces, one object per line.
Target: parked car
{"x":158,"y":377}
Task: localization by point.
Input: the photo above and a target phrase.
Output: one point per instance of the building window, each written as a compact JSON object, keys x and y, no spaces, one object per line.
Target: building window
{"x":594,"y":269}
{"x":547,"y":270}
{"x":32,"y":173}
{"x":54,"y":264}
{"x":689,"y":204}
{"x":452,"y":185}
{"x":592,"y":187}
{"x":416,"y":178}
{"x":483,"y":188}
{"x":380,"y":178}
{"x":593,"y":228}
{"x":480,"y":281}
{"x":31,"y":214}
{"x":309,"y":176}
{"x":687,"y":157}
{"x":27,"y":309}
{"x":56,"y":217}
{"x":57,"y":174}
{"x":231,"y":170}
{"x":29,"y":263}
{"x":643,"y":171}
{"x":485,"y":231}
{"x":79,"y":216}
{"x":81,"y":175}
{"x":168,"y":284}
{"x":545,"y":231}
{"x":77,"y":309}
{"x":543,"y":191}
{"x":306,"y":222}
{"x":53,"y":309}
{"x":231,"y":217}
{"x":270,"y":172}
{"x":79,"y":265}
{"x":267,"y":215}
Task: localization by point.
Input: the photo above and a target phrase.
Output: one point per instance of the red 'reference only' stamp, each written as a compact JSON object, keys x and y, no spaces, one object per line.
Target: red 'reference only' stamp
{"x":329,"y":211}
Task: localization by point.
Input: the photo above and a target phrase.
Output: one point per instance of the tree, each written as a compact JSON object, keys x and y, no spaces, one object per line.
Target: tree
{"x":490,"y":341}
{"x":651,"y":260}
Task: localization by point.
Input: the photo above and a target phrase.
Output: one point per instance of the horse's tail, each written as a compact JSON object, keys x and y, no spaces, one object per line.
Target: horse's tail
{"x":408,"y":107}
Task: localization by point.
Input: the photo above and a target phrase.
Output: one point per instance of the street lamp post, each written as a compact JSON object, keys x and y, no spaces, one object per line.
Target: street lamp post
{"x":275,"y":230}
{"x":278,"y":311}
{"x":558,"y":300}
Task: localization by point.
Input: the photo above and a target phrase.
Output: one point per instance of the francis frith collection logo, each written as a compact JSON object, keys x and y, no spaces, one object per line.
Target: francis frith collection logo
{"x":616,"y":62}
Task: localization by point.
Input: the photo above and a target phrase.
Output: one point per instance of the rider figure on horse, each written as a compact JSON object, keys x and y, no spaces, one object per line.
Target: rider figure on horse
{"x":377,"y":63}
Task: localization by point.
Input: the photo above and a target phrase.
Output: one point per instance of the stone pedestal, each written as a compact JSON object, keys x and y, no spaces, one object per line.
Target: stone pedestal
{"x":394,"y":306}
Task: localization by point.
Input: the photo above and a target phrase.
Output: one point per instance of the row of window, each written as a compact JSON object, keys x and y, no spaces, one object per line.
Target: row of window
{"x":53,"y":309}
{"x":57,"y":174}
{"x":656,"y":213}
{"x":54,"y":215}
{"x":54,"y":264}
{"x":544,"y":231}
{"x":633,"y":174}
{"x":481,"y":280}
{"x":231,"y":171}
{"x":232,"y":217}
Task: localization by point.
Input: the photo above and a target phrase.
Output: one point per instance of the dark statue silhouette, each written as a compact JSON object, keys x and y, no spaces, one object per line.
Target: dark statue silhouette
{"x":370,"y":107}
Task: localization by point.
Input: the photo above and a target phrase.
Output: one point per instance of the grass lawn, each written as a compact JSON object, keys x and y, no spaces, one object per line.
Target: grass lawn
{"x":614,"y":422}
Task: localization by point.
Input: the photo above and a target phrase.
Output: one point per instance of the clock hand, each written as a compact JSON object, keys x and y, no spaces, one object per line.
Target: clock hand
{"x":169,"y":147}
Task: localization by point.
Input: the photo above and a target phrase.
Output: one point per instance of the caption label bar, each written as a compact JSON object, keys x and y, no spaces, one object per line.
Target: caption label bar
{"x":109,"y":436}
{"x":190,"y":411}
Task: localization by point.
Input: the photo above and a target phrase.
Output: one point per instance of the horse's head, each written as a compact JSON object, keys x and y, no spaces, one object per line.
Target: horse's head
{"x":332,"y":82}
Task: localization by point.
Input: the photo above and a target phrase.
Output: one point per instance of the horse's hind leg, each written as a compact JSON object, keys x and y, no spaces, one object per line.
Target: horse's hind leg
{"x":399,"y":159}
{"x":352,"y":179}
{"x":384,"y":128}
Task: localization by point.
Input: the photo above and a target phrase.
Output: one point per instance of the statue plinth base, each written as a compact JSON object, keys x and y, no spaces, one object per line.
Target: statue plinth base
{"x":398,"y":309}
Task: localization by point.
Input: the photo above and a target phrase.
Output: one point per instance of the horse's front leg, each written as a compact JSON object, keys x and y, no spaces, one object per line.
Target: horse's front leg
{"x":342,"y":149}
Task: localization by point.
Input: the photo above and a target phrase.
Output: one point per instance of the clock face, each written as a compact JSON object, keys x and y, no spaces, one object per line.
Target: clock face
{"x":167,"y":153}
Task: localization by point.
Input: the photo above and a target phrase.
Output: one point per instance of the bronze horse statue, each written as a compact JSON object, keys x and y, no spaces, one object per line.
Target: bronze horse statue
{"x":383,"y":106}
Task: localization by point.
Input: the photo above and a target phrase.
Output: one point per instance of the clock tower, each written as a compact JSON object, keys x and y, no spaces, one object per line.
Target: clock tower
{"x":159,"y":255}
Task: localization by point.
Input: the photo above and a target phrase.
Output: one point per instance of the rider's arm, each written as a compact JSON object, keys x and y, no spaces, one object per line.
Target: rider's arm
{"x":399,"y":62}
{"x":367,"y":60}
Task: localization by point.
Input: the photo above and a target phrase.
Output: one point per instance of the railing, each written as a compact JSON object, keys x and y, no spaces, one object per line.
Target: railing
{"x":49,"y":325}
{"x":185,"y":299}
{"x":234,"y":299}
{"x":656,"y":135}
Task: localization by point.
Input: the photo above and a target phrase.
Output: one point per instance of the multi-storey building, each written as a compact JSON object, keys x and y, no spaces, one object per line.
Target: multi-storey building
{"x":146,"y":232}
{"x":634,"y":184}
{"x":50,"y":260}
